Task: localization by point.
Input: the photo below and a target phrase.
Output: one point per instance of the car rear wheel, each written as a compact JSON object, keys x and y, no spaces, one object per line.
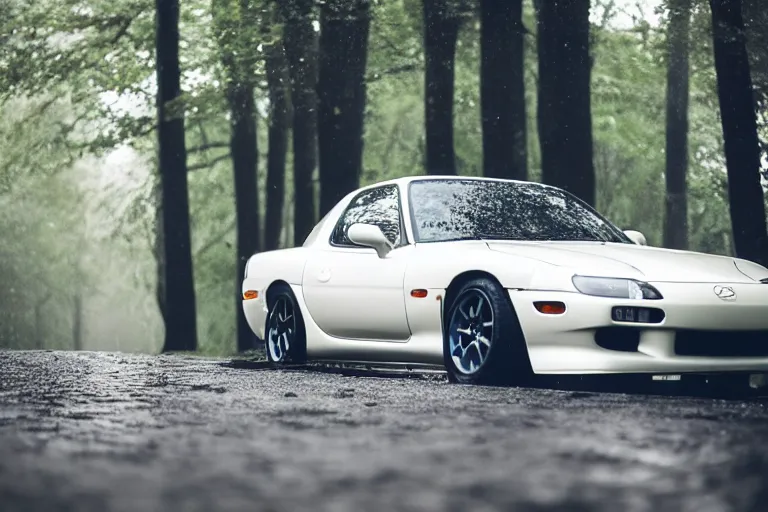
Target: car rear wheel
{"x":285,"y":337}
{"x":482,"y":339}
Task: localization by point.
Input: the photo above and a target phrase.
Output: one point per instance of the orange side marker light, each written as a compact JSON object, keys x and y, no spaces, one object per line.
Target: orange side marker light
{"x":419,"y":293}
{"x":550,"y":308}
{"x":250,"y":295}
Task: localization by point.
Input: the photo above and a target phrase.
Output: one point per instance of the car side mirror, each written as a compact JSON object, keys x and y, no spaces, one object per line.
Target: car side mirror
{"x":370,"y":236}
{"x":636,"y":237}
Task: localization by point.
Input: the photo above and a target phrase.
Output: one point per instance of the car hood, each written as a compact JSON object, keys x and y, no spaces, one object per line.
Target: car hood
{"x":633,"y":261}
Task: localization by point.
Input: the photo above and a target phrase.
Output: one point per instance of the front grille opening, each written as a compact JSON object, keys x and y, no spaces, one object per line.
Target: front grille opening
{"x":621,"y":339}
{"x":633,"y":314}
{"x":721,"y":343}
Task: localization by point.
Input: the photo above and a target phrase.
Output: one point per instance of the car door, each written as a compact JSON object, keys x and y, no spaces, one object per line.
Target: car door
{"x":352,"y":293}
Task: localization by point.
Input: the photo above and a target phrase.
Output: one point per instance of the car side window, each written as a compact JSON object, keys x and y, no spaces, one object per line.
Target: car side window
{"x":378,"y":206}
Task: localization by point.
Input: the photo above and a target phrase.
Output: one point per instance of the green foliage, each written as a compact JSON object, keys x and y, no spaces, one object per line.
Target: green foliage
{"x":88,"y":49}
{"x":394,"y":117}
{"x":628,"y":105}
{"x":237,"y":30}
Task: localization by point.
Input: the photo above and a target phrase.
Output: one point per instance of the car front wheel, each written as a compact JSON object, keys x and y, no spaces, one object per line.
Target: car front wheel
{"x":482,"y":339}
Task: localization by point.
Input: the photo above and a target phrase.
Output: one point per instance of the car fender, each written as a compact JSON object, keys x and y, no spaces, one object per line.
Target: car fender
{"x":262,"y":270}
{"x":433,"y":269}
{"x":280,"y":265}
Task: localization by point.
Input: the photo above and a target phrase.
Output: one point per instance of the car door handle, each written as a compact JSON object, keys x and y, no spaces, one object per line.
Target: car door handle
{"x":324,"y":275}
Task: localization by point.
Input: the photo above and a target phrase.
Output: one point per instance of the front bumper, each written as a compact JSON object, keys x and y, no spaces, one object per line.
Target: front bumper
{"x":566,"y":344}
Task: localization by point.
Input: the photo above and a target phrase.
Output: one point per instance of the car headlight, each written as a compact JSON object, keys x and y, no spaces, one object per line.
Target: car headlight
{"x":615,"y":287}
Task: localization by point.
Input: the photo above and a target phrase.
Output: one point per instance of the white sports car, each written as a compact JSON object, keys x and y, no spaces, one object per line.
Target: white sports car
{"x":497,"y":280}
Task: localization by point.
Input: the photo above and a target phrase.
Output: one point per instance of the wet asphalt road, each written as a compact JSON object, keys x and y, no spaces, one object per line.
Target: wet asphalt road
{"x":114,"y":432}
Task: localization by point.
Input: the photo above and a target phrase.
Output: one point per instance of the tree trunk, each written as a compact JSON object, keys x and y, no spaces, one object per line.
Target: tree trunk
{"x":676,"y":220}
{"x":158,"y":247}
{"x":277,"y":77}
{"x":39,"y":319}
{"x":245,"y":160}
{"x":78,"y":315}
{"x":564,"y":116}
{"x":77,"y":320}
{"x":234,"y":25}
{"x":502,"y":89}
{"x":300,"y":43}
{"x":742,"y":154}
{"x":441,"y":30}
{"x":344,"y":27}
{"x":175,"y":266}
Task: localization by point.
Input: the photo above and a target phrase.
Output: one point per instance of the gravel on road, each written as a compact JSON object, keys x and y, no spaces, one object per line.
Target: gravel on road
{"x":116,"y":432}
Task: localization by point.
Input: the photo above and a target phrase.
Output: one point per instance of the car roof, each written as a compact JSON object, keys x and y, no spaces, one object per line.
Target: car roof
{"x":405,"y":180}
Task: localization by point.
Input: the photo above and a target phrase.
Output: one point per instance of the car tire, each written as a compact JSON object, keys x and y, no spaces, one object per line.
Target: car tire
{"x":285,"y":337}
{"x":482,"y":339}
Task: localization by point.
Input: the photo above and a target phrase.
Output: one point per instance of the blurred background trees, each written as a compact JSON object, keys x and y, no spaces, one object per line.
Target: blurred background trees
{"x":283,"y":107}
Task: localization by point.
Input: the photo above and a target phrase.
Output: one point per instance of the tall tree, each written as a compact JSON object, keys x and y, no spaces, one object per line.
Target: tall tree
{"x":277,"y":80}
{"x":77,"y":320}
{"x":737,"y":114}
{"x":176,"y":289}
{"x":678,"y":33}
{"x":236,"y":23}
{"x":80,"y":263}
{"x":441,"y":29}
{"x":40,"y":323}
{"x":344,"y":28}
{"x":502,"y":89}
{"x":564,"y":116}
{"x":300,"y":41}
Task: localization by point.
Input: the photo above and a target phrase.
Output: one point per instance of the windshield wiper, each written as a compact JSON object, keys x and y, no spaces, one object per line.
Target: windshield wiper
{"x":764,"y":280}
{"x":496,"y":236}
{"x":533,"y":238}
{"x":482,"y":237}
{"x":489,"y":237}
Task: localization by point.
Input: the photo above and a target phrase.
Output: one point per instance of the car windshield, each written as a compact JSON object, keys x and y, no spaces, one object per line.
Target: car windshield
{"x":456,"y":209}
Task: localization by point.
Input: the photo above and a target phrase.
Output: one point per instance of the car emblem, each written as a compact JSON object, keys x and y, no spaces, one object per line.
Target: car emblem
{"x":725,"y":292}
